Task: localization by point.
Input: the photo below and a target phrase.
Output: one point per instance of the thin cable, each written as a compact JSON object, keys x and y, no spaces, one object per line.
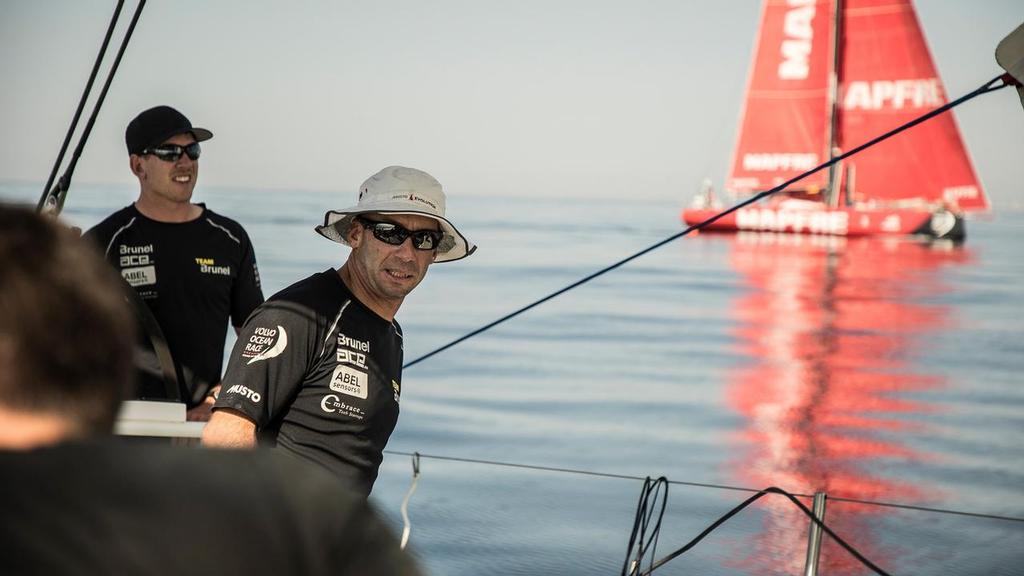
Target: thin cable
{"x":81,"y":105}
{"x":925,"y":509}
{"x":751,"y":500}
{"x":700,"y":485}
{"x":53,"y":201}
{"x":987,"y":87}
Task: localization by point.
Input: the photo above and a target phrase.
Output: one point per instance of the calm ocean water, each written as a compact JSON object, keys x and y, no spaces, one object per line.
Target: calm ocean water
{"x":872,"y":370}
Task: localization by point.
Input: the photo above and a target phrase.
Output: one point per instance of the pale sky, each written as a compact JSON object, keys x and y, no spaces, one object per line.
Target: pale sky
{"x":552,"y":98}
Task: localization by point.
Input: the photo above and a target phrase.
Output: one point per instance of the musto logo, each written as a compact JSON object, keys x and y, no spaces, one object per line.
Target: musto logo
{"x":348,"y":380}
{"x":265,"y":343}
{"x":244,"y":391}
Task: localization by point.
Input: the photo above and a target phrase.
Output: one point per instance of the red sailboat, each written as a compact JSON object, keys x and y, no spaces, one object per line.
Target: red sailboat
{"x":829,"y":75}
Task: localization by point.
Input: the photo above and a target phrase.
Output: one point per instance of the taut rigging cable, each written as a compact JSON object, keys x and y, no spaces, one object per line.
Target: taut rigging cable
{"x":989,"y":86}
{"x":52,"y":200}
{"x":538,"y":468}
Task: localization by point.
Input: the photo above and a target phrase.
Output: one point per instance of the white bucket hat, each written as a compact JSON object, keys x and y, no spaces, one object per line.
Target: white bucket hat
{"x":400,"y":190}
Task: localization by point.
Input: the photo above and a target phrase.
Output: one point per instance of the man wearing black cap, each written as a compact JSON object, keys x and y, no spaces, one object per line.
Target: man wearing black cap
{"x":192,"y":267}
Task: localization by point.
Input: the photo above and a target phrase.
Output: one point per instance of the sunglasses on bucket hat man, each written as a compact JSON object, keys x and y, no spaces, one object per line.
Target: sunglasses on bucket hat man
{"x":172,"y":152}
{"x":395,"y":235}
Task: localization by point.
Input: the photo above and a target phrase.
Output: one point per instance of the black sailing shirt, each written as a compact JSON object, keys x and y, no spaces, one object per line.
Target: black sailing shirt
{"x":193,"y":276}
{"x":320,"y":375}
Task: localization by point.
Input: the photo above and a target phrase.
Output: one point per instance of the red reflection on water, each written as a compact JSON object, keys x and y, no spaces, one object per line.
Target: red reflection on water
{"x":832,"y":327}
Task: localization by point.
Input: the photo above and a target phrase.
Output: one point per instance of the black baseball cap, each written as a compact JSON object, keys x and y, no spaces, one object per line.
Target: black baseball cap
{"x":154,"y":126}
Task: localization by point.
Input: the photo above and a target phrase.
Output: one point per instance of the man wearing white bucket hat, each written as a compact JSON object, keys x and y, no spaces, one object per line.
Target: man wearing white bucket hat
{"x":317,"y":369}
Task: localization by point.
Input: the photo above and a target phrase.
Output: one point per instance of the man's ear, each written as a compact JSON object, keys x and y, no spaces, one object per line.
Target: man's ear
{"x":135,"y":164}
{"x":354,"y":235}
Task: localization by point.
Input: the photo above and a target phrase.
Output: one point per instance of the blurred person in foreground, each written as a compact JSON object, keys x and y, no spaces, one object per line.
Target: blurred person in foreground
{"x":317,"y":369}
{"x":75,"y":501}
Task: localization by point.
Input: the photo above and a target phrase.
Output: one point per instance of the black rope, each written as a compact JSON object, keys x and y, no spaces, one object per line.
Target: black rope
{"x":771,"y":490}
{"x":81,"y":105}
{"x":52,"y":200}
{"x":698,"y":484}
{"x":649,"y":494}
{"x":987,"y":87}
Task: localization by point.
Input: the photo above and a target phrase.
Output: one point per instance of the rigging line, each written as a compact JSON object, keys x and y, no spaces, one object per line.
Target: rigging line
{"x":985,"y":88}
{"x":644,"y":512}
{"x":81,"y":104}
{"x":54,"y":200}
{"x":925,"y":509}
{"x":751,"y":500}
{"x":699,"y":485}
{"x":103,"y":92}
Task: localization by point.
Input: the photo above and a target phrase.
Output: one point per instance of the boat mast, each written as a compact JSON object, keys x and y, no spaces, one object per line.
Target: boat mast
{"x":834,"y":171}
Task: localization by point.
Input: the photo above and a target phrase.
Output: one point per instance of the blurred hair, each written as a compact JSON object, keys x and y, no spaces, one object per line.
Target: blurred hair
{"x":66,"y":331}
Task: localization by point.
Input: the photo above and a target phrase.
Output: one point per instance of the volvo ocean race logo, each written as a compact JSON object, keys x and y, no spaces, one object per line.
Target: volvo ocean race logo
{"x":265,"y":343}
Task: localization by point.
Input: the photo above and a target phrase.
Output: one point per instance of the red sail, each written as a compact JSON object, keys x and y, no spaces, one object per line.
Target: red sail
{"x":784,"y":129}
{"x":887,"y":78}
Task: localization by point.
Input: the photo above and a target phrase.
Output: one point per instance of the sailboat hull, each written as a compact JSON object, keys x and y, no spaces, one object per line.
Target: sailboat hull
{"x":841,"y":221}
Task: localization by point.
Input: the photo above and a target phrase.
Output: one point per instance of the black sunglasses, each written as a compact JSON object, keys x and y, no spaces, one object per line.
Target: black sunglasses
{"x":171,"y":152}
{"x":395,"y":235}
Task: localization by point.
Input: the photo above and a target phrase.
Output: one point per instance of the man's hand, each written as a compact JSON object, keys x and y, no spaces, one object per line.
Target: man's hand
{"x":203,"y":412}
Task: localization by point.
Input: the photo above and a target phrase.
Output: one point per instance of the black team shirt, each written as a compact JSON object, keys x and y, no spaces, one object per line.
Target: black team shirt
{"x":320,"y":375}
{"x":193,"y":276}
